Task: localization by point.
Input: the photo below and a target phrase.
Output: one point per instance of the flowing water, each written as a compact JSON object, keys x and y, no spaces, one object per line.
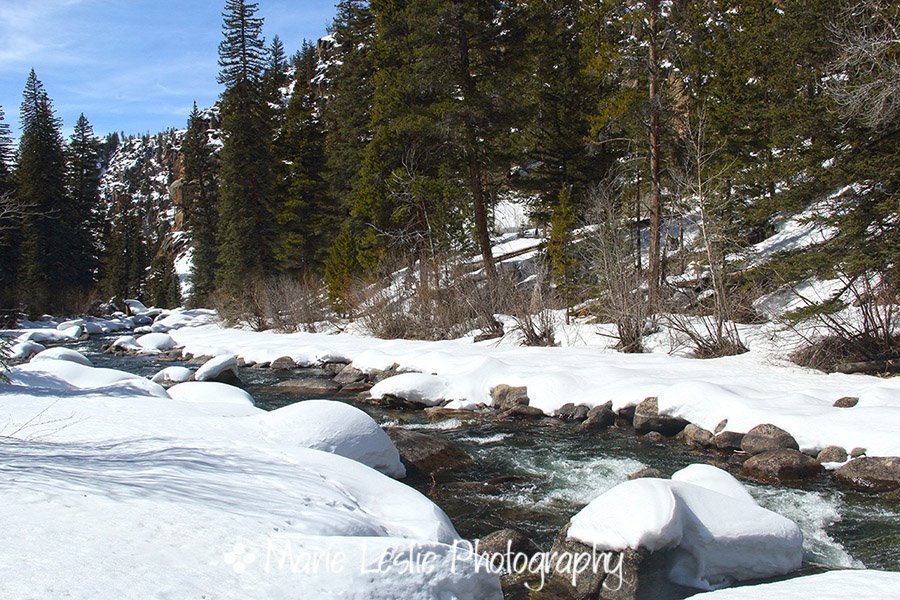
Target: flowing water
{"x":534,"y":476}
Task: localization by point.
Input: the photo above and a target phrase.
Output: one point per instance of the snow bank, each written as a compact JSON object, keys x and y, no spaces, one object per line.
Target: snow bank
{"x":218,"y":398}
{"x":156,"y":342}
{"x":747,"y":390}
{"x":216,"y":366}
{"x":60,"y":353}
{"x":116,"y":482}
{"x":24,"y":350}
{"x":337,"y":428}
{"x":714,"y":530}
{"x":834,"y":585}
{"x":420,"y":388}
{"x":47,"y":336}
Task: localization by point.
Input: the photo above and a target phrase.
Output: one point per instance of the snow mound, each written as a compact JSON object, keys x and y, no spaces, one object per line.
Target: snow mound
{"x":44,"y":336}
{"x":61,"y":353}
{"x":24,"y":350}
{"x":156,"y":342}
{"x":63,"y":376}
{"x":171,"y":375}
{"x":337,"y":428}
{"x":136,"y":307}
{"x":70,"y":324}
{"x":216,"y":366}
{"x":421,"y":388}
{"x":834,"y":585}
{"x":126,"y":343}
{"x":218,"y":398}
{"x":715,"y":533}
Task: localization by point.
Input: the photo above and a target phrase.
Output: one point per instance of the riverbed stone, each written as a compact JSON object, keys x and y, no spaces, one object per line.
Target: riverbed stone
{"x":507,"y":540}
{"x":506,"y":397}
{"x":349,"y":374}
{"x":598,"y":417}
{"x":565,"y":411}
{"x":767,"y":437}
{"x":871,"y":473}
{"x":857,"y":452}
{"x":360,"y":387}
{"x":728,"y":440}
{"x":426,"y":455}
{"x":832,"y":454}
{"x":283,"y":363}
{"x":783,"y":464}
{"x":697,"y":436}
{"x":648,"y":472}
{"x":307,"y":386}
{"x":335,"y":367}
{"x":522,"y":411}
{"x":846,"y":402}
{"x":647,"y":419}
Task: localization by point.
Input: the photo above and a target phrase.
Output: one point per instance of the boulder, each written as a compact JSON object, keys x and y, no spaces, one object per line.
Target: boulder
{"x":334,"y":367}
{"x":221,"y":369}
{"x":308,"y":386}
{"x":728,"y":440}
{"x":871,"y":473}
{"x":721,"y":427}
{"x":522,"y":411}
{"x":426,"y":455}
{"x":284,"y":363}
{"x":832,"y":454}
{"x":783,"y":464}
{"x":507,"y":540}
{"x":647,"y":418}
{"x":172,"y":376}
{"x":565,"y":412}
{"x":349,"y":374}
{"x":697,"y":436}
{"x":846,"y":402}
{"x":857,"y":452}
{"x":653,"y":437}
{"x":598,"y":417}
{"x":648,"y":472}
{"x":767,"y":437}
{"x":505,"y":396}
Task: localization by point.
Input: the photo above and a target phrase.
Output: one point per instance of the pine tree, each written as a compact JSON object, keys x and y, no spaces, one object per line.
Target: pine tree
{"x":125,"y":260}
{"x":342,"y":267}
{"x":246,"y":172}
{"x":559,"y":248}
{"x":84,"y":194}
{"x":10,"y":218}
{"x":47,"y":236}
{"x":202,"y":213}
{"x":162,"y":285}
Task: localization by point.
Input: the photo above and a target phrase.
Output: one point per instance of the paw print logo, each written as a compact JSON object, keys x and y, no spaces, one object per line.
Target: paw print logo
{"x":240,"y":557}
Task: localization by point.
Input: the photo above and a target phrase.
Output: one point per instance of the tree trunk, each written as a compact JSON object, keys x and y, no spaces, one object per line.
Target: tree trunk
{"x":653,"y":275}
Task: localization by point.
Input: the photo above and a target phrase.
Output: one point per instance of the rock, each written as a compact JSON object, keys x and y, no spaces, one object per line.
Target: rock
{"x":783,"y":464}
{"x":627,"y":413}
{"x":507,"y":540}
{"x":334,"y":367}
{"x":654,"y":437}
{"x":439,"y":413}
{"x":846,"y":402}
{"x":426,"y":455}
{"x":377,"y":375}
{"x":505,"y":397}
{"x":857,"y":452}
{"x":565,"y":412}
{"x":522,"y":411}
{"x":349,"y":374}
{"x":308,"y":386}
{"x":648,"y":472}
{"x":721,"y":426}
{"x":832,"y":454}
{"x":647,"y":418}
{"x":599,"y":417}
{"x":284,"y":363}
{"x":767,"y":437}
{"x":581,"y":412}
{"x":172,"y":376}
{"x":728,"y":440}
{"x":360,"y":387}
{"x":221,"y":369}
{"x":697,"y":436}
{"x":871,"y":473}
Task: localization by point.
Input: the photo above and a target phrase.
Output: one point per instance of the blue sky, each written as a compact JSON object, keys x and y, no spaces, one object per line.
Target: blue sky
{"x":130,"y":65}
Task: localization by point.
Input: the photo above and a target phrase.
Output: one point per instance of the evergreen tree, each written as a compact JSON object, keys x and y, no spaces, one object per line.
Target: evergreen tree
{"x":245,"y":178}
{"x":559,"y":248}
{"x":342,"y":267}
{"x":48,"y":228}
{"x":202,"y":210}
{"x":84,"y":194}
{"x":125,"y":260}
{"x":162,"y":285}
{"x":10,"y":218}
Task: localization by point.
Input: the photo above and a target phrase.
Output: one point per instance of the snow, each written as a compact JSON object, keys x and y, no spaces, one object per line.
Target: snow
{"x":173,"y":375}
{"x":111,"y":488}
{"x":216,"y":366}
{"x":337,"y":428}
{"x":136,"y":307}
{"x":420,"y":388}
{"x":714,"y":538}
{"x":24,"y":350}
{"x":61,"y":353}
{"x":126,"y":343}
{"x":46,"y":336}
{"x":747,"y":390}
{"x":834,"y":585}
{"x":156,"y":342}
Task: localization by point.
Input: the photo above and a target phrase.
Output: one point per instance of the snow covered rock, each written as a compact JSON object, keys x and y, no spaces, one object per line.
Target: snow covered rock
{"x":156,"y":342}
{"x":834,"y":585}
{"x":60,"y":353}
{"x":25,"y":350}
{"x":70,"y":324}
{"x":44,"y":336}
{"x":136,"y":307}
{"x":416,"y":388}
{"x":73,"y":333}
{"x":223,"y":369}
{"x":337,"y":428}
{"x":712,"y":530}
{"x":127,"y":344}
{"x":61,"y":376}
{"x":172,"y":375}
